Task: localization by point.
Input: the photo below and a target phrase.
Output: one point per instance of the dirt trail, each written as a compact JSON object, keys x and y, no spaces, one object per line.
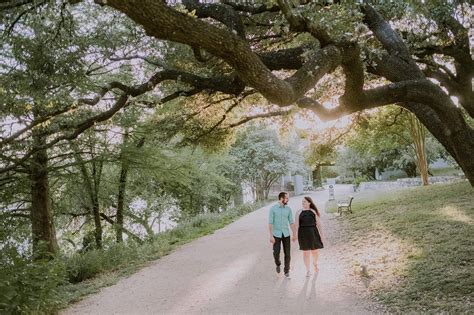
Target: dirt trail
{"x":232,"y":271}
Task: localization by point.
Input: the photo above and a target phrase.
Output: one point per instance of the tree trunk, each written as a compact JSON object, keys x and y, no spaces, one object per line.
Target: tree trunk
{"x":96,"y":174}
{"x":410,"y":169}
{"x":317,"y":180}
{"x":418,"y":135}
{"x":120,"y":201}
{"x":97,"y":223}
{"x":92,"y":182}
{"x":122,"y":188}
{"x":452,"y":132}
{"x":259,"y":191}
{"x":42,"y":224}
{"x":239,"y":196}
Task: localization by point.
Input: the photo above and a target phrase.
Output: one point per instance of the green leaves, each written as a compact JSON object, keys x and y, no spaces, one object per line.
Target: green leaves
{"x":27,"y":287}
{"x":260,"y":159}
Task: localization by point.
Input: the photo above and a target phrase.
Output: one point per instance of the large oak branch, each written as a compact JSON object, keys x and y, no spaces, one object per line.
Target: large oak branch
{"x":161,"y":21}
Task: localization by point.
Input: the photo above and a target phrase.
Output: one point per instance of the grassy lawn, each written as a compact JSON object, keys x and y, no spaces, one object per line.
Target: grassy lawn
{"x":446,"y":171}
{"x":414,"y":248}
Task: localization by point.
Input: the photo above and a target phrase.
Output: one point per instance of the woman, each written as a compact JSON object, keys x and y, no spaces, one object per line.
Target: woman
{"x":309,"y":232}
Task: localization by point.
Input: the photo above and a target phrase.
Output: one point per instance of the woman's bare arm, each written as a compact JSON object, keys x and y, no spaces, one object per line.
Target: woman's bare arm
{"x":297,"y":222}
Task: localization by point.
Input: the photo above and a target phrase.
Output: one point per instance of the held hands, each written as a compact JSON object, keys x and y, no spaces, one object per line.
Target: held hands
{"x":294,"y":238}
{"x":272,"y":240}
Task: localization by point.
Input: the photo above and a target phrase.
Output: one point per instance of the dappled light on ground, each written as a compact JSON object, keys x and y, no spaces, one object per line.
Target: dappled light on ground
{"x":380,"y":258}
{"x":455,"y":214}
{"x":217,"y":283}
{"x":413,"y":249}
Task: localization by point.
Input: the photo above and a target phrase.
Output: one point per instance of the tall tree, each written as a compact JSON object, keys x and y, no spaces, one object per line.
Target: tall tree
{"x":260,"y":160}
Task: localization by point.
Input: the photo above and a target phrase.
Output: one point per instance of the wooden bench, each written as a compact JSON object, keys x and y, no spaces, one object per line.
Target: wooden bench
{"x":345,"y":205}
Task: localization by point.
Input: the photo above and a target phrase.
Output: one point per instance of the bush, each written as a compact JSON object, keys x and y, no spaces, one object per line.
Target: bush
{"x":83,"y":266}
{"x":30,"y":287}
{"x":202,"y":220}
{"x":358,"y":180}
{"x":80,"y":267}
{"x":179,"y":231}
{"x":243,"y":209}
{"x":329,"y":172}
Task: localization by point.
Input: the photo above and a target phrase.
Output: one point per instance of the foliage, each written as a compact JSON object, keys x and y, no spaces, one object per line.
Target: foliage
{"x":27,"y":287}
{"x":329,"y":172}
{"x":382,"y":140}
{"x":260,"y":159}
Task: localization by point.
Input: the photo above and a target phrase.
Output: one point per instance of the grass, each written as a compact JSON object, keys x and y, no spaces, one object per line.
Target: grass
{"x":93,"y":270}
{"x":445,"y":171}
{"x":414,"y":248}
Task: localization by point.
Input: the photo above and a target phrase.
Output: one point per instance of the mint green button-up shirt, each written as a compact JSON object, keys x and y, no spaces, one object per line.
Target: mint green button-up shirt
{"x":280,"y":218}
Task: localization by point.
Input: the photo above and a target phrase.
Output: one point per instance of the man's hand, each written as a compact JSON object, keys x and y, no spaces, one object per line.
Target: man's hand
{"x":294,"y":238}
{"x":272,"y":240}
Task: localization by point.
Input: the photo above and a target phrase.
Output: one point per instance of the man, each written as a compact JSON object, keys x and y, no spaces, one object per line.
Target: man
{"x":280,"y":216}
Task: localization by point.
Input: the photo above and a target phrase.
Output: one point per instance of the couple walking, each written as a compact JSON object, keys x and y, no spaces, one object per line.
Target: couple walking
{"x":306,"y":229}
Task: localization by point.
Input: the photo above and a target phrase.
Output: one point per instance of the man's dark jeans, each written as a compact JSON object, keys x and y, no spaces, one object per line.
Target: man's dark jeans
{"x":286,"y":249}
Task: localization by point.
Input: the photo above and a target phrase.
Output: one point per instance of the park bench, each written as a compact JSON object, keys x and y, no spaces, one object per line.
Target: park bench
{"x":345,"y":205}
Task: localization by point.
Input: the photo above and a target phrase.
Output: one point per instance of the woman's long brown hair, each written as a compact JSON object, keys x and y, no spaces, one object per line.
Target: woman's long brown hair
{"x":312,"y":205}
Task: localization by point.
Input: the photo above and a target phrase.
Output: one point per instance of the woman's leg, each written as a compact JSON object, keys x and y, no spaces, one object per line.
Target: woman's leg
{"x":306,"y":259}
{"x":315,"y":260}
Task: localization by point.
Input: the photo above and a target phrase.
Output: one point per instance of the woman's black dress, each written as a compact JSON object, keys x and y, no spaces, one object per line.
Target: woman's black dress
{"x":308,"y":235}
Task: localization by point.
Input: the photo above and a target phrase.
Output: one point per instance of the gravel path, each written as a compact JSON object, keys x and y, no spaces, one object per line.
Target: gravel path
{"x":232,"y":272}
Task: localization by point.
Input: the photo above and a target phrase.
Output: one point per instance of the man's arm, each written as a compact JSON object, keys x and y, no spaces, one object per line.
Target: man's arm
{"x":270,"y":229}
{"x":292,"y":224}
{"x":293,"y":228}
{"x":270,"y":226}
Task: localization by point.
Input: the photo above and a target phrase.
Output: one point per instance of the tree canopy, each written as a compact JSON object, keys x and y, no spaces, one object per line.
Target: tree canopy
{"x":375,"y":52}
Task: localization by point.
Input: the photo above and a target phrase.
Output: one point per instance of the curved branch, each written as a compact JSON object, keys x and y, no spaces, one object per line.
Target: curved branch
{"x":325,"y":114}
{"x":18,"y":18}
{"x":162,"y":22}
{"x":354,"y":73}
{"x":411,"y":91}
{"x":300,"y":24}
{"x":391,"y":41}
{"x":258,"y":116}
{"x":146,"y":59}
{"x":13,"y":4}
{"x":229,"y":84}
{"x":290,"y":58}
{"x":33,"y":124}
{"x":251,"y":9}
{"x":444,"y":79}
{"x":219,"y":12}
{"x":79,"y":129}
